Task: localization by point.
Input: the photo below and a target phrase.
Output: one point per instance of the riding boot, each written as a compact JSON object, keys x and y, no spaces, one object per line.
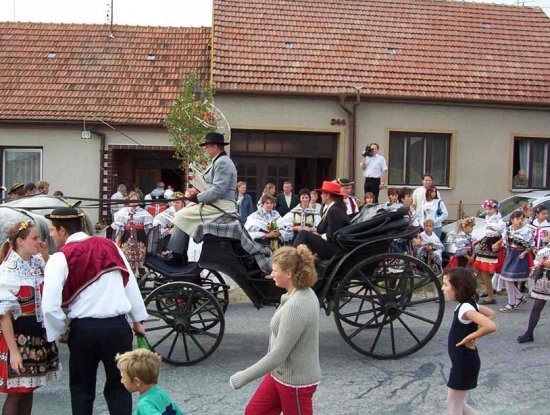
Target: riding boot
{"x":178,"y":244}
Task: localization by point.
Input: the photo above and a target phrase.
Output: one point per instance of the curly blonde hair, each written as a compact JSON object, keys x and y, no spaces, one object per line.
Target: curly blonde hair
{"x":300,"y":262}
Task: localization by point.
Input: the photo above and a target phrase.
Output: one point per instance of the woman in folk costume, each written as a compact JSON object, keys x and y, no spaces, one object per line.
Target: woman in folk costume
{"x":27,"y":359}
{"x":302,"y":217}
{"x":334,"y":218}
{"x":487,"y":250}
{"x":540,"y":227}
{"x":465,"y":243}
{"x":266,"y":225}
{"x":518,"y":241}
{"x":131,"y":225}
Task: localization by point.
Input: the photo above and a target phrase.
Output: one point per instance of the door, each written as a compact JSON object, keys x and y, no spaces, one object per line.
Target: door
{"x":147,"y":179}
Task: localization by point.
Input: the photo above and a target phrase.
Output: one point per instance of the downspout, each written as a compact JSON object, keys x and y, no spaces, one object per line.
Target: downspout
{"x":101,"y":170}
{"x":352,"y":129}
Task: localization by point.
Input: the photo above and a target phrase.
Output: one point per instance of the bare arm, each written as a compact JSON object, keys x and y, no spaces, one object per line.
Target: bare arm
{"x":484,"y":323}
{"x":16,"y":361}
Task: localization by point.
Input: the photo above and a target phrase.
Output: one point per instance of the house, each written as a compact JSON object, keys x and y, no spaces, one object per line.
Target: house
{"x":461,"y":90}
{"x":83,"y":106}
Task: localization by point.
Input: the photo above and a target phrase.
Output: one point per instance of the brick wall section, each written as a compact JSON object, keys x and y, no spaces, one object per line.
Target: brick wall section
{"x":118,"y":167}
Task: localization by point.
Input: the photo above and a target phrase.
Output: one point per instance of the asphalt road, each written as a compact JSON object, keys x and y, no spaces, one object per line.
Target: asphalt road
{"x":513,"y":379}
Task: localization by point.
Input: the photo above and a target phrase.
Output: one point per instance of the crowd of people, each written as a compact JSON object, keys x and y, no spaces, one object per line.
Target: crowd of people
{"x":20,"y":190}
{"x":86,"y":294}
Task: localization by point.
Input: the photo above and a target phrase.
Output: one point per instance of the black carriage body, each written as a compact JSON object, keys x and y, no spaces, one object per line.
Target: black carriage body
{"x":386,"y":303}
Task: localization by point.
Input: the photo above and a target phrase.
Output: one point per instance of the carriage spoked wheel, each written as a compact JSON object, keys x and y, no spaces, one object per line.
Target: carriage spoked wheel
{"x":185,"y":324}
{"x":389,"y":306}
{"x":213,"y":282}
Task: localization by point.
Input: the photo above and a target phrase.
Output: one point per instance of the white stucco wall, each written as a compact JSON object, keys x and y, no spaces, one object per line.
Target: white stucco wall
{"x":482,"y":147}
{"x":71,"y":164}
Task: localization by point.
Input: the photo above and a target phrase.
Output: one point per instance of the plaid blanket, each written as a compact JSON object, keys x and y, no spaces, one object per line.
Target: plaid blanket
{"x":229,"y":226}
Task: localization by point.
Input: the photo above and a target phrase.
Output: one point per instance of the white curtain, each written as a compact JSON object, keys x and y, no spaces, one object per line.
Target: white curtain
{"x":22,"y":165}
{"x":523,"y":156}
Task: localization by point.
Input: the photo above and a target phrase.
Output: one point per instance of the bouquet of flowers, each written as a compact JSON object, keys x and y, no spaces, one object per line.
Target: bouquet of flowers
{"x":274,"y":242}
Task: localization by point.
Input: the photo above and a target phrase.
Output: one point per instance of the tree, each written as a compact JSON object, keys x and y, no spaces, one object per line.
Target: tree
{"x":191,"y":117}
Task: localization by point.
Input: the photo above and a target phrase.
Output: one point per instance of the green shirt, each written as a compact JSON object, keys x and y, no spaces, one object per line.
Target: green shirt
{"x":156,"y":401}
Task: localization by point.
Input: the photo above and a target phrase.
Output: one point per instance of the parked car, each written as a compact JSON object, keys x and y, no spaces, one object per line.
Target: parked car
{"x":507,"y":206}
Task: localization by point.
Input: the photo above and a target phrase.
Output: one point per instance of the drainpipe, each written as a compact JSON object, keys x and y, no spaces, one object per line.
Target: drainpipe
{"x":101,"y":170}
{"x":352,"y":128}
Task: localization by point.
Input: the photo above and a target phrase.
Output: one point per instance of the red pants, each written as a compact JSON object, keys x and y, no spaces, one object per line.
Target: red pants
{"x":272,"y":397}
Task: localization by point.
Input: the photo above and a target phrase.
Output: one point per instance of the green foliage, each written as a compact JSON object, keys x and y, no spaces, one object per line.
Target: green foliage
{"x":190,"y":119}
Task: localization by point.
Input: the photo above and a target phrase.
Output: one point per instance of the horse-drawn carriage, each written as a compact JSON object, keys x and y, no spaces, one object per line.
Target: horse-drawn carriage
{"x":386,"y":304}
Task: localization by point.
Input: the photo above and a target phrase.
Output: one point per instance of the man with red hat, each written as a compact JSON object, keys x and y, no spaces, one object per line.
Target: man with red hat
{"x":334,"y":218}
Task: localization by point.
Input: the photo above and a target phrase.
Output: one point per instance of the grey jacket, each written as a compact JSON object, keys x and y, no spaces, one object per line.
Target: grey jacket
{"x":221,"y":180}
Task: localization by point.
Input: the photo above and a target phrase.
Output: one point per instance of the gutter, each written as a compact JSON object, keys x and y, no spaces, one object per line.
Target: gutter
{"x":101,"y":136}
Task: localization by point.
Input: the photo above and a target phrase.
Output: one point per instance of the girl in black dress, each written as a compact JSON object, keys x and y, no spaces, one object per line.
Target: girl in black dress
{"x":470,"y":321}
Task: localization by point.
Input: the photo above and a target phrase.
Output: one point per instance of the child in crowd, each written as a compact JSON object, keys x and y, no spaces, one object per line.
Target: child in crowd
{"x":540,"y":290}
{"x":405,"y":198}
{"x":27,"y":360}
{"x":486,"y":260}
{"x":393,"y":196}
{"x":139,"y":370}
{"x":540,"y":227}
{"x":470,"y":322}
{"x":465,"y":243}
{"x":428,"y":244}
{"x":368,"y":199}
{"x":518,"y":241}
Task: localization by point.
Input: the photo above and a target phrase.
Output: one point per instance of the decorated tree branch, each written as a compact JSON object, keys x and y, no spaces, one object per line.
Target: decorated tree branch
{"x":191,"y":117}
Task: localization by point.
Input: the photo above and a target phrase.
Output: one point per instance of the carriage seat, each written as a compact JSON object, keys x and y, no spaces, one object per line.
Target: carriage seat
{"x":172,"y":272}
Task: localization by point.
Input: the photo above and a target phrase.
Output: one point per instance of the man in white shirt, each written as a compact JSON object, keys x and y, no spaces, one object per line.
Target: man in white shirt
{"x":121,"y":194}
{"x":419,"y":194}
{"x":374,"y":170}
{"x":91,"y":278}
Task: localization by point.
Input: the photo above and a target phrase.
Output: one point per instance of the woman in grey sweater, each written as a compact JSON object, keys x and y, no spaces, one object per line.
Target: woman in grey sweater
{"x":291,"y":366}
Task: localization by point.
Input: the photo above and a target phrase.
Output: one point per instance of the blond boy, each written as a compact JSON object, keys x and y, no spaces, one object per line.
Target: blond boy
{"x":139,"y":370}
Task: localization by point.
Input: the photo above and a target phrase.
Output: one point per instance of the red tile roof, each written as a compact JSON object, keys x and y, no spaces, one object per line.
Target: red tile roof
{"x":95,"y":75}
{"x":425,"y":49}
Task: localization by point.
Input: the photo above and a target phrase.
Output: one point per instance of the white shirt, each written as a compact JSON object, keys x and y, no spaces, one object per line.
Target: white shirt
{"x":375,"y":166}
{"x":104,"y":298}
{"x":350,"y":203}
{"x":464,"y":308}
{"x":419,"y":196}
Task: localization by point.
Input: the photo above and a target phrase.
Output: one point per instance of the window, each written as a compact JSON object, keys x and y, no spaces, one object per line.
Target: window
{"x":531,"y":163}
{"x":413,"y":154}
{"x":22,"y":165}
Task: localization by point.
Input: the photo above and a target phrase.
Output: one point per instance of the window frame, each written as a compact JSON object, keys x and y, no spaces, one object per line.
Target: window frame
{"x":516,"y":138}
{"x":428,"y":137}
{"x":33,"y":149}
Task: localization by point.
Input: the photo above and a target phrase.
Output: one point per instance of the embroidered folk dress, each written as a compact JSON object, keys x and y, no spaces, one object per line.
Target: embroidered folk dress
{"x":541,"y":275}
{"x":464,"y":246}
{"x":487,"y":259}
{"x":21,"y":285}
{"x":134,"y":226}
{"x":516,"y":241}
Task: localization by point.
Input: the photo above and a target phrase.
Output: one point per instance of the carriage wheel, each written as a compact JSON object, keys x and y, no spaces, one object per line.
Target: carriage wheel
{"x":389,"y":306}
{"x":185,"y":324}
{"x":213,"y":282}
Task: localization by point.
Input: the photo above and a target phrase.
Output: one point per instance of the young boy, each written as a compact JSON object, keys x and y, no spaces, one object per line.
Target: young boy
{"x":139,"y":370}
{"x":428,"y":243}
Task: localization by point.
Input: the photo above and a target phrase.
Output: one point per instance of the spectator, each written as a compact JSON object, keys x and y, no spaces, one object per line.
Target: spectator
{"x":244,"y":202}
{"x":393,"y":196}
{"x":131,"y":224}
{"x":374,"y":170}
{"x":302,"y":217}
{"x":165,"y":219}
{"x":29,"y":189}
{"x":419,"y":194}
{"x":314,"y":201}
{"x":269,"y":189}
{"x":58,"y":193}
{"x":265,"y":225}
{"x":346,"y":186}
{"x":120,"y":194}
{"x":157,"y":193}
{"x":520,"y":180}
{"x":287,"y":200}
{"x":16,"y":191}
{"x":168,"y":193}
{"x":43,"y":187}
{"x":433,"y":208}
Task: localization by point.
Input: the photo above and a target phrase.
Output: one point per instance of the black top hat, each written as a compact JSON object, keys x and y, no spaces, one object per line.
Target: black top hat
{"x":64,"y":213}
{"x":342,"y":181}
{"x":16,"y":187}
{"x":214,"y":138}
